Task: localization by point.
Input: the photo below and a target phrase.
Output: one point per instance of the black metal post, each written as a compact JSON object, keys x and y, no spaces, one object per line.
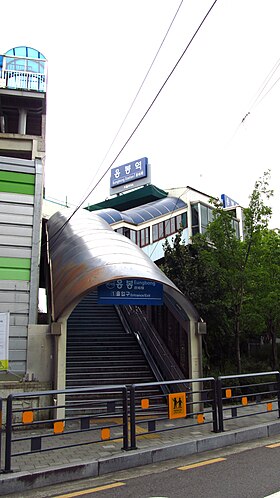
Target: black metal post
{"x":1,"y":425}
{"x":220,"y":404}
{"x":132,"y":419}
{"x":125,"y":419}
{"x":9,"y":429}
{"x":278,"y":392}
{"x":214,"y":406}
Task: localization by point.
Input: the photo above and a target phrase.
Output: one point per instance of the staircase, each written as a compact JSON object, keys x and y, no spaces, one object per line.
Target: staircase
{"x":100,"y":352}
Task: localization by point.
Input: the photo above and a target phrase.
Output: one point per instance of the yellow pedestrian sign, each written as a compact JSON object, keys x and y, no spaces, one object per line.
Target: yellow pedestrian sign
{"x":177,"y":405}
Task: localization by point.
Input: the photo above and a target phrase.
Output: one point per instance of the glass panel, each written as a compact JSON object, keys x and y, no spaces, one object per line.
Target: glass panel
{"x":133,"y":236}
{"x":204,"y":215}
{"x":161,"y":230}
{"x":179,"y":221}
{"x":184,"y":220}
{"x":195,"y":215}
{"x":173,"y":225}
{"x":167,"y":227}
{"x":144,"y":237}
{"x":155,"y":232}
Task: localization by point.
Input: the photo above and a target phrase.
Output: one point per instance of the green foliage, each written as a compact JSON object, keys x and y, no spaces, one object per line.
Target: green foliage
{"x":234,"y":283}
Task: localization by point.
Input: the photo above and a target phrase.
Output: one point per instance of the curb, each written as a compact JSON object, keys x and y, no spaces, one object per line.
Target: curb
{"x":26,"y":481}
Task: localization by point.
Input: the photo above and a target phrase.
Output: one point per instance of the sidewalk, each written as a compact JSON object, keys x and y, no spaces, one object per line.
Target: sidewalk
{"x":96,"y":459}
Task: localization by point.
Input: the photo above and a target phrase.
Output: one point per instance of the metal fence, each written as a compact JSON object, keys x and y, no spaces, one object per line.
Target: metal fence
{"x":194,"y":404}
{"x":46,"y":421}
{"x":247,"y":395}
{"x":89,"y":419}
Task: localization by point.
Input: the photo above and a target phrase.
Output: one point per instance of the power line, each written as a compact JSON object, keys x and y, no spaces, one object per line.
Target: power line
{"x":137,"y":93}
{"x":265,"y":83}
{"x":57,"y":233}
{"x":260,"y":95}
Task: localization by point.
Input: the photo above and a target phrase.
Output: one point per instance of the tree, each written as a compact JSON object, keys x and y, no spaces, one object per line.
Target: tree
{"x":265,"y":300}
{"x":217,"y":270}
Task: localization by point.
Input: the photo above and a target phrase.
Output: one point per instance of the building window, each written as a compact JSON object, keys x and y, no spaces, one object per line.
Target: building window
{"x":155,"y":232}
{"x":144,"y":237}
{"x":158,"y":231}
{"x":235,"y":224}
{"x":126,"y":232}
{"x":133,"y":236}
{"x":195,"y":219}
{"x":201,"y":216}
{"x":168,"y":227}
{"x":181,"y":221}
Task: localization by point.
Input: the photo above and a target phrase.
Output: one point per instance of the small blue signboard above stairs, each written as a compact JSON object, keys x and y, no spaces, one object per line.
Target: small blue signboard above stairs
{"x":131,"y":291}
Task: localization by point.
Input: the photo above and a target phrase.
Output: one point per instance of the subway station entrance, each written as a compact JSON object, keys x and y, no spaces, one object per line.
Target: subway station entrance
{"x":106,"y":339}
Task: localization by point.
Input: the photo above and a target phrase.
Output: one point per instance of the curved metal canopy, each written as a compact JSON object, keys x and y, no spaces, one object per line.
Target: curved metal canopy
{"x":142,"y":213}
{"x":85,"y":252}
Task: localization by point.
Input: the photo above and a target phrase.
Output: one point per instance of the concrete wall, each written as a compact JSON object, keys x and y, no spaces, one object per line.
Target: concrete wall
{"x":40,"y":354}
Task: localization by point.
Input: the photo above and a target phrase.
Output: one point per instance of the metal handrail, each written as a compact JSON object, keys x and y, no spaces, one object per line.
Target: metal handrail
{"x":156,"y":371}
{"x":220,"y":388}
{"x":184,"y":382}
{"x":165,"y":361}
{"x":54,"y":393}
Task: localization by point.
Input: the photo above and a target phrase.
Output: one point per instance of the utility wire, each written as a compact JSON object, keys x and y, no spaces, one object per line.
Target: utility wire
{"x":264,"y":84}
{"x":57,"y":233}
{"x":137,"y":93}
{"x":260,"y":95}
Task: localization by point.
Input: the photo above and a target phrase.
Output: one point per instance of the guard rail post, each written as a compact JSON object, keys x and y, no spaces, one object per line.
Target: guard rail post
{"x":220,"y":404}
{"x":125,"y":419}
{"x":278,"y":392}
{"x":132,"y":419}
{"x":214,"y":406}
{"x":1,"y":430}
{"x":9,"y":429}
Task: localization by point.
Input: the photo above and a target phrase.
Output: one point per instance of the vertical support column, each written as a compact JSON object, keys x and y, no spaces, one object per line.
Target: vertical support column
{"x":195,"y":352}
{"x":195,"y":364}
{"x":59,"y":330}
{"x":22,"y":119}
{"x":36,"y":242}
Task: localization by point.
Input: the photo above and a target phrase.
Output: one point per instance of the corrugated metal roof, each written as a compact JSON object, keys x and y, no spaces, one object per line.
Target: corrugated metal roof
{"x":85,"y":252}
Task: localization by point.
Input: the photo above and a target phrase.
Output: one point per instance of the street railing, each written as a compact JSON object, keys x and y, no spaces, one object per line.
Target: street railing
{"x":247,"y":395}
{"x":94,"y":424}
{"x":195,"y":406}
{"x":57,"y":420}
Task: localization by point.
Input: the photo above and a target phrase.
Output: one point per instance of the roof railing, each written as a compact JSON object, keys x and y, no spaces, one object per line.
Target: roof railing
{"x":23,"y":73}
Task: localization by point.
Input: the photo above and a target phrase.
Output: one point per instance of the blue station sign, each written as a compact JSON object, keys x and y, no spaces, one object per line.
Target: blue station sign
{"x":130,"y":172}
{"x":131,"y":291}
{"x":227,"y":201}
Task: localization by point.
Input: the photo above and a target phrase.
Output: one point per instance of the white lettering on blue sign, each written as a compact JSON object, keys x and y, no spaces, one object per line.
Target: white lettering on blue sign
{"x":129,"y":172}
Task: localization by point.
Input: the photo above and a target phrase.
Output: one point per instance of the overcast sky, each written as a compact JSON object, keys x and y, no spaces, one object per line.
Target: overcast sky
{"x":98,"y":54}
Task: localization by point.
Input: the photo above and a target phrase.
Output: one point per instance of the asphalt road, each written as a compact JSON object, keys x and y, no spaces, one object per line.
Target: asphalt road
{"x":245,"y":471}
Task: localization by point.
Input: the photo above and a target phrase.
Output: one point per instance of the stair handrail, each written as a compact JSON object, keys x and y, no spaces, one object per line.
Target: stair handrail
{"x":140,"y":325}
{"x":153,"y":366}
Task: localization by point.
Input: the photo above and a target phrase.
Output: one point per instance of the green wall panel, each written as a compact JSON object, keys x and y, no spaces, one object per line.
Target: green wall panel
{"x":15,"y":268}
{"x":19,"y":183}
{"x":14,"y":274}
